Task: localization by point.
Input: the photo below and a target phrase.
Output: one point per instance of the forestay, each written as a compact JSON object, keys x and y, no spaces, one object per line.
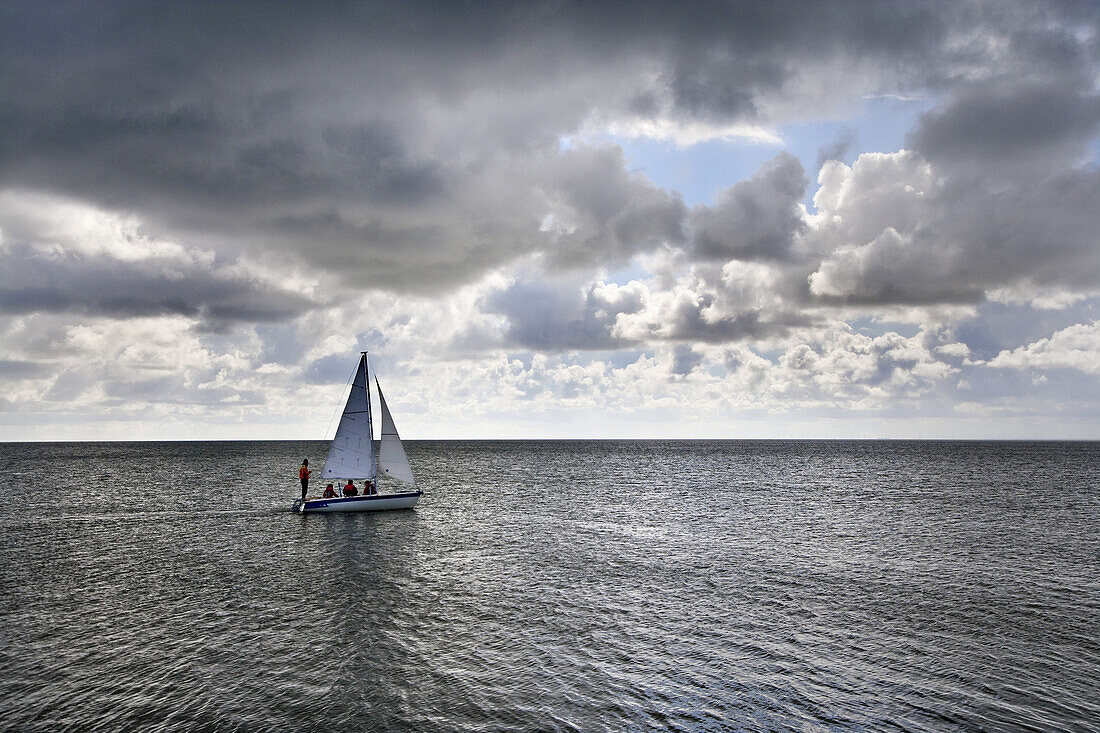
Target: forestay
{"x":391,"y":454}
{"x":351,"y":454}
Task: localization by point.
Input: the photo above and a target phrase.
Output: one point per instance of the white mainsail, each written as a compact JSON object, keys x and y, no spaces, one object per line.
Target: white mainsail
{"x":391,"y":454}
{"x":351,"y":454}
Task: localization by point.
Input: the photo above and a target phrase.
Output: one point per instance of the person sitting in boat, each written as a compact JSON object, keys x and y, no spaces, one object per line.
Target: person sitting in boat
{"x":369,"y":488}
{"x":330,"y":492}
{"x":350,"y":489}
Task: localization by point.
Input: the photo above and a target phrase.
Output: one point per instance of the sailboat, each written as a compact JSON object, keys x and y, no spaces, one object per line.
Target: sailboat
{"x":352,"y":455}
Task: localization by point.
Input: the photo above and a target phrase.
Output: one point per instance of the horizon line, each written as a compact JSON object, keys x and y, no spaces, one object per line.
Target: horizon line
{"x":570,"y":440}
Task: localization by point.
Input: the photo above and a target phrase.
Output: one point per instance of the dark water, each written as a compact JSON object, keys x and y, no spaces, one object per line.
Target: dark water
{"x":556,"y":586}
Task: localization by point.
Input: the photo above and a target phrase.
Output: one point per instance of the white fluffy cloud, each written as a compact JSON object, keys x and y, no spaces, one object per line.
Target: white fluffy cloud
{"x":1076,"y":347}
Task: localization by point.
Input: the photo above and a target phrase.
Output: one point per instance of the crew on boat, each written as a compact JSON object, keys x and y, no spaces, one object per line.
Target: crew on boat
{"x":369,"y":487}
{"x":303,"y":475}
{"x":330,"y":493}
{"x":350,"y":490}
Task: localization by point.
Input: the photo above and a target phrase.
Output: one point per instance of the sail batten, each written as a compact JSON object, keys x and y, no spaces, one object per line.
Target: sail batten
{"x":391,"y":454}
{"x":351,"y":453}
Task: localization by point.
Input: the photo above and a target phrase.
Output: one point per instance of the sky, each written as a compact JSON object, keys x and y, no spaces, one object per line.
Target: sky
{"x":551,"y":219}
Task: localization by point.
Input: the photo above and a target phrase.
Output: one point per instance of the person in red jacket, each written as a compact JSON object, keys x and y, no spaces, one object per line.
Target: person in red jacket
{"x":350,"y":489}
{"x":330,"y":493}
{"x":303,"y":474}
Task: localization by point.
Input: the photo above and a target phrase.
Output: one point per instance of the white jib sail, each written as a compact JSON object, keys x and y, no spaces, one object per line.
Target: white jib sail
{"x":391,"y":454}
{"x":351,"y":453}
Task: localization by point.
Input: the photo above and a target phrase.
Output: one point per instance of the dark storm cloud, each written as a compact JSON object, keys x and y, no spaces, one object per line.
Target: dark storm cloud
{"x":414,"y":146}
{"x":754,"y":219}
{"x":603,"y":214}
{"x":1034,"y":122}
{"x":36,"y":281}
{"x":226,"y":117}
{"x":724,"y":58}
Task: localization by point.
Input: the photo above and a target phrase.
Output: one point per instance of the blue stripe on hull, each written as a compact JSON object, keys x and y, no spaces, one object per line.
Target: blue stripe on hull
{"x":376,"y":502}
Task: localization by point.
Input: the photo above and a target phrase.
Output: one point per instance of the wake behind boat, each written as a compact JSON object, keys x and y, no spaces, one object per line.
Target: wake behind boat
{"x":351,"y":455}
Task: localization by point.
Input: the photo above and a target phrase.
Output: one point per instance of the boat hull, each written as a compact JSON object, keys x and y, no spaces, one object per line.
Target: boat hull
{"x":372,"y":503}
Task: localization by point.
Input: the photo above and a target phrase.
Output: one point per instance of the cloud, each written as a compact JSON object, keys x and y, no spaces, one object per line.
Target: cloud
{"x":843,"y":367}
{"x":21,"y":369}
{"x":65,"y":256}
{"x":1075,"y":347}
{"x":754,"y":219}
{"x":684,"y":360}
{"x":556,"y":315}
{"x":844,"y":141}
{"x":209,"y":205}
{"x":416,"y":147}
{"x":682,"y":133}
{"x":698,"y":319}
{"x":598,"y":213}
{"x":898,"y":229}
{"x":688,"y":303}
{"x":1035,"y":122}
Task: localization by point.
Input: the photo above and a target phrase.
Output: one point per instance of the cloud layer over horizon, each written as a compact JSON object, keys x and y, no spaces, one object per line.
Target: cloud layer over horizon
{"x":205,"y":210}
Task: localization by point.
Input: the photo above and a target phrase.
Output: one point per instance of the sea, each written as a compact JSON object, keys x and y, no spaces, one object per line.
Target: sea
{"x":555,"y":586}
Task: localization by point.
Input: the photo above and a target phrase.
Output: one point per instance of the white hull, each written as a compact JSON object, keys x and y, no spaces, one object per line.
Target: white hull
{"x":373,"y":503}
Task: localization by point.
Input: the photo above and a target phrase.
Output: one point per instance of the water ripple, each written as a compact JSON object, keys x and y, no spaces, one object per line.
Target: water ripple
{"x":561,"y":586}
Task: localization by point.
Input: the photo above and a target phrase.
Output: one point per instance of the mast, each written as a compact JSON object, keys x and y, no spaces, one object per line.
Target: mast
{"x":370,"y":415}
